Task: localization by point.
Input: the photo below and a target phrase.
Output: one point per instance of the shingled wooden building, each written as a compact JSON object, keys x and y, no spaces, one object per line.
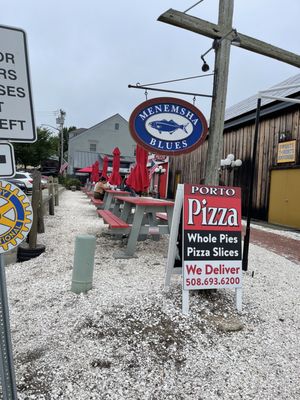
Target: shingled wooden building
{"x":277,"y":170}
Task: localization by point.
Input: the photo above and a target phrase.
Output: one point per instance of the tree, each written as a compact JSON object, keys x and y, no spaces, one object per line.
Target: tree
{"x":66,"y":132}
{"x":32,"y":154}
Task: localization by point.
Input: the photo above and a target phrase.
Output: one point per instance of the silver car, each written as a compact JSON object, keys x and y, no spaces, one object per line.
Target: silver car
{"x":24,"y":177}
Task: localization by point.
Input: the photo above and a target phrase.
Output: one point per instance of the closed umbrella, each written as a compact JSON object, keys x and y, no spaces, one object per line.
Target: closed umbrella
{"x":95,"y":172}
{"x":104,"y":168}
{"x":115,"y":177}
{"x":139,"y":176}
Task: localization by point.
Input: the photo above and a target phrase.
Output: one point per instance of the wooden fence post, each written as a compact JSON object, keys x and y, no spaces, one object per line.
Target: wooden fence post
{"x":56,"y":197}
{"x":51,"y":194}
{"x":32,"y":237}
{"x":41,"y":225}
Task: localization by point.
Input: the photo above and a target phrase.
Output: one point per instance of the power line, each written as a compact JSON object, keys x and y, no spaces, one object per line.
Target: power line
{"x":198,"y":2}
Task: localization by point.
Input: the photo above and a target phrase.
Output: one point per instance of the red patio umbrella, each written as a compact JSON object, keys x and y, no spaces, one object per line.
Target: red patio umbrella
{"x":138,"y":178}
{"x":95,"y":172}
{"x":86,"y":169}
{"x":115,"y":177}
{"x":104,"y":168}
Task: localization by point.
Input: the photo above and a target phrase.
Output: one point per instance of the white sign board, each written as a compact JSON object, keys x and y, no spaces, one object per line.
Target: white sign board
{"x":7,"y":160}
{"x":16,"y":108}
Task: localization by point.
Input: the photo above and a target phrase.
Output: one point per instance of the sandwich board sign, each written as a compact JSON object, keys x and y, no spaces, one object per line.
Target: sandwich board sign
{"x":211,"y":253}
{"x":16,"y":106}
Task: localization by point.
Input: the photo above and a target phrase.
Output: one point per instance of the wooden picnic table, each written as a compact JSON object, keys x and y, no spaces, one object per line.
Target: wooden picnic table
{"x":143,"y":206}
{"x":109,"y":197}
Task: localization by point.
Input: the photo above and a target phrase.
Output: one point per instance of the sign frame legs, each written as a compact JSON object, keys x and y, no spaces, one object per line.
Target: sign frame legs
{"x":170,"y":270}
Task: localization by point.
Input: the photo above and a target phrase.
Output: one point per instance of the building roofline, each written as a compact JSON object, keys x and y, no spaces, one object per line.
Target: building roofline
{"x":266,"y":110}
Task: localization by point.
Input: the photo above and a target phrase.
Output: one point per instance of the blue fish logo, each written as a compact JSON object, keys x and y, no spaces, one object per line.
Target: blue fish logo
{"x":167,"y":126}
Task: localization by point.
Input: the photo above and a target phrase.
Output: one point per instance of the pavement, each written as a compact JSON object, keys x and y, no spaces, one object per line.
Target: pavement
{"x":277,"y":243}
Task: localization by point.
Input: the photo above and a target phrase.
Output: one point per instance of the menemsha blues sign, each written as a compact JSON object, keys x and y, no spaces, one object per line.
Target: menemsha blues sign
{"x":166,"y":125}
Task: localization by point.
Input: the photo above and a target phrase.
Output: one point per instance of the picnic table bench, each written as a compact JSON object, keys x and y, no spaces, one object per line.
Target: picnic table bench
{"x":161,"y":215}
{"x":144,"y":219}
{"x":115,"y":223}
{"x":97,"y":202}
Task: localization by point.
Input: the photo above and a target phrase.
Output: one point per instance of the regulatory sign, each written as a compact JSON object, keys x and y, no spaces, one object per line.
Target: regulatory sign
{"x":16,"y":108}
{"x":15,"y":216}
{"x":167,"y":125}
{"x":211,"y":237}
{"x":7,"y":160}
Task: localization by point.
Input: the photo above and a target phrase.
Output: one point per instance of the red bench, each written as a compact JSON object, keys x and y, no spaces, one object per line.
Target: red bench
{"x":162,"y":216}
{"x":113,"y":221}
{"x":97,"y":202}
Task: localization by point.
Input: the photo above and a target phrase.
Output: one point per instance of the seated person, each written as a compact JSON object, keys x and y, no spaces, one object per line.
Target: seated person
{"x":129,"y":189}
{"x":99,"y":189}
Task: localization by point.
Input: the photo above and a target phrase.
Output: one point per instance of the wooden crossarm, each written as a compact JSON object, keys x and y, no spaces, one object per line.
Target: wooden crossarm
{"x":112,"y":220}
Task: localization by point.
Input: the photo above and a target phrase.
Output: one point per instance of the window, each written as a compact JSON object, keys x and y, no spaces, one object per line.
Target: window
{"x":117,"y":126}
{"x":92,"y":146}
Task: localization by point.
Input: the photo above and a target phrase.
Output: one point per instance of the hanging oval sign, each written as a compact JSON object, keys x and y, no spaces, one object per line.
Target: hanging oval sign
{"x":166,"y":125}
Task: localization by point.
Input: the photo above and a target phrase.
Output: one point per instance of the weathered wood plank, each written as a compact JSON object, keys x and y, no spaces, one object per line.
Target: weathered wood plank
{"x":214,"y":31}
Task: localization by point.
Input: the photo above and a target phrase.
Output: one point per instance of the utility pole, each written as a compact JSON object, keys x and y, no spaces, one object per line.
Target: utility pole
{"x":223,"y":39}
{"x":217,"y":114}
{"x":60,"y":121}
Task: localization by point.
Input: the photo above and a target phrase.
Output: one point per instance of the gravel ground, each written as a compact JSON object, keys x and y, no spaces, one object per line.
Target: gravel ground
{"x":127,"y":338}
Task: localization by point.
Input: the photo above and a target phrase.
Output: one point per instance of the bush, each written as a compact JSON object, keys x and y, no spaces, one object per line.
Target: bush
{"x":72,"y":182}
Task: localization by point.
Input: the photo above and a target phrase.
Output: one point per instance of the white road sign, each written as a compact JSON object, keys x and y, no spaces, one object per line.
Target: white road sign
{"x":16,"y":108}
{"x":7,"y":160}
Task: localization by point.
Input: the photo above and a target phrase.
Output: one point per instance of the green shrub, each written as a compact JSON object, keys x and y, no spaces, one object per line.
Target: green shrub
{"x":72,"y":182}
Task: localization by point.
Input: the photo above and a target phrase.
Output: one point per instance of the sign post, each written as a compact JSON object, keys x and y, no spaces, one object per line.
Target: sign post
{"x":16,"y":125}
{"x":15,"y":223}
{"x":6,"y":361}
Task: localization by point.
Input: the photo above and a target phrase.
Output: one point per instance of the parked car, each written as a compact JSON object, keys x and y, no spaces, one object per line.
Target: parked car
{"x":24,"y":177}
{"x":44,"y":181}
{"x":20,"y":184}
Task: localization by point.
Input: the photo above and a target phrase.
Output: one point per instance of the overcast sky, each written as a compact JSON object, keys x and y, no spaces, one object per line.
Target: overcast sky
{"x":83,"y":54}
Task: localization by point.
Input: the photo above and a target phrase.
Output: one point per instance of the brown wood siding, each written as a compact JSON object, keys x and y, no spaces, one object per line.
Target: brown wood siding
{"x":239,"y":141}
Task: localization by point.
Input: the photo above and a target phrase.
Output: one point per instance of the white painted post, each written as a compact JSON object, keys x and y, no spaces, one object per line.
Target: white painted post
{"x":174,"y":234}
{"x":239,"y":299}
{"x":82,"y":277}
{"x":185,"y":301}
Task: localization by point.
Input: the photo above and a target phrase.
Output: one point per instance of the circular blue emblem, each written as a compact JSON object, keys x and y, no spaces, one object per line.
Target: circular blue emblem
{"x":166,"y":125}
{"x":15,"y":216}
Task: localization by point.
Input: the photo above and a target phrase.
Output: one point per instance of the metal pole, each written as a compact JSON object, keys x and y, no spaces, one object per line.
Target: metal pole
{"x":60,"y":120}
{"x":7,"y":371}
{"x":168,"y":91}
{"x":250,"y":194}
